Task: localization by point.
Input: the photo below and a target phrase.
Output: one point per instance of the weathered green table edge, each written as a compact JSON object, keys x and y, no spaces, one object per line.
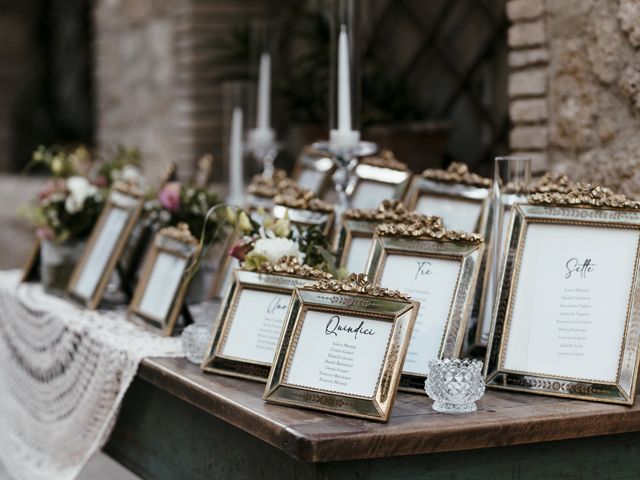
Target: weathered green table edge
{"x":176,"y":423}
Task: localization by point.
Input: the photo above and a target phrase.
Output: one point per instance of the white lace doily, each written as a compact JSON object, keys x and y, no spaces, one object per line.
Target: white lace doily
{"x":63,"y":374}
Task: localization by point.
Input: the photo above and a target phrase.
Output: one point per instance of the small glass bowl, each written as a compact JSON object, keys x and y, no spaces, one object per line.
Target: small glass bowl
{"x":455,"y":385}
{"x":195,"y":340}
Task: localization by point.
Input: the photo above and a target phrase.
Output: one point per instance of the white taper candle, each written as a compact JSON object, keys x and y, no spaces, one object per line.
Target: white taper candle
{"x":344,"y":82}
{"x":264,"y":93}
{"x":236,"y":184}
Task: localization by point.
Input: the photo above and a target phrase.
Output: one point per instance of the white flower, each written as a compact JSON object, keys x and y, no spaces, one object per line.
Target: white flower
{"x":79,"y":190}
{"x":131,"y":173}
{"x":276,"y":248}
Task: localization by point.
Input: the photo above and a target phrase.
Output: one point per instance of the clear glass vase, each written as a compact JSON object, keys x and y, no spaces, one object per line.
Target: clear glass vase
{"x":57,"y":261}
{"x":512,"y":178}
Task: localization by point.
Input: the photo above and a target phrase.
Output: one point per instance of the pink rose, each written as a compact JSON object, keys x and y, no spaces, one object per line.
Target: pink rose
{"x":51,"y":187}
{"x":101,"y":181}
{"x":169,"y":196}
{"x":44,"y":233}
{"x":240,"y":250}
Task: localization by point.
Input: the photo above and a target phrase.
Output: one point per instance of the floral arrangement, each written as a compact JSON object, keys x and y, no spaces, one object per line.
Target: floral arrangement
{"x":71,"y":200}
{"x":272,"y":239}
{"x":123,"y":163}
{"x":177,"y":202}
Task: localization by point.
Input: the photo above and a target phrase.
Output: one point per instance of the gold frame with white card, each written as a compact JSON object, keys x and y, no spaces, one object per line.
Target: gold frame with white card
{"x":178,"y":242}
{"x":587,"y":207}
{"x":353,"y":296}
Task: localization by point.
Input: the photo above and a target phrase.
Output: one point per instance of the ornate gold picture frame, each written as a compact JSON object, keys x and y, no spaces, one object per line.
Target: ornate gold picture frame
{"x":355,"y":239}
{"x":31,"y":264}
{"x":456,"y":195}
{"x":249,"y":322}
{"x":342,"y":348}
{"x":568,"y":319}
{"x":159,"y":295}
{"x":223,"y":276}
{"x":261,"y":191}
{"x":313,"y":171}
{"x":105,"y":245}
{"x":439,"y":268}
{"x":378,"y":178}
{"x":305,"y":210}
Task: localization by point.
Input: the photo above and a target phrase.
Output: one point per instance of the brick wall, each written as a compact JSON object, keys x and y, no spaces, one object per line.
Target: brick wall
{"x":157,"y":77}
{"x":528,"y":80}
{"x":575,"y":87}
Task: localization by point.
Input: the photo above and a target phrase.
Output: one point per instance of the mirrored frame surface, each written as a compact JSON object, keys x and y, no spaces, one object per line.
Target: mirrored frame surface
{"x":319,"y":166}
{"x":454,"y":192}
{"x":31,"y":264}
{"x":367,"y":174}
{"x":469,"y":257}
{"x":215,"y":361}
{"x":224,"y":273}
{"x":350,"y":229}
{"x":621,"y":391}
{"x":400,"y":313}
{"x":128,"y":201}
{"x":185,"y":249}
{"x":306,"y":218}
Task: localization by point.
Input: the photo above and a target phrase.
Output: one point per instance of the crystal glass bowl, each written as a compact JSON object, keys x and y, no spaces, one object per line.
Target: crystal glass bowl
{"x":454,"y":385}
{"x":195,"y":340}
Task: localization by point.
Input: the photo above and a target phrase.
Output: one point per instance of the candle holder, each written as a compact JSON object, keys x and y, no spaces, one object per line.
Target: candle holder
{"x":455,"y":385}
{"x":261,"y":137}
{"x":346,"y":160}
{"x":344,"y":142}
{"x":195,"y":339}
{"x":262,"y":146}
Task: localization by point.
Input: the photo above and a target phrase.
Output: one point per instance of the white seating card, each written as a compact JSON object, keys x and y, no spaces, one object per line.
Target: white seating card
{"x":457,"y":213}
{"x":339,"y":353}
{"x":570,"y":304}
{"x":254,"y":330}
{"x":162,"y":286}
{"x":358,"y":254}
{"x":369,"y":194}
{"x":311,"y":180}
{"x":101,"y":253}
{"x":433,"y":282}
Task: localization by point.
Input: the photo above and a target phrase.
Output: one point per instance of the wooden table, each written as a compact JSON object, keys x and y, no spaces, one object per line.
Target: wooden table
{"x":178,"y":423}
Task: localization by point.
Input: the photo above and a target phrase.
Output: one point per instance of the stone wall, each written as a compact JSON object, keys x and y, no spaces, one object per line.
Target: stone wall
{"x":575,"y":87}
{"x":157,"y":76}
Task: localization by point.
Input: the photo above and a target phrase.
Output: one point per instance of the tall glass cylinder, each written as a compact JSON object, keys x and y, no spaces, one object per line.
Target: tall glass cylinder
{"x":511,"y":181}
{"x":345,"y":70}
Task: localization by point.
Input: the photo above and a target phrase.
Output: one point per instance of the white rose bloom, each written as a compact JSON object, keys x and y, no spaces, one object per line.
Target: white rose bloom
{"x":132,"y":173}
{"x":276,"y":248}
{"x":71,"y":205}
{"x":79,"y":190}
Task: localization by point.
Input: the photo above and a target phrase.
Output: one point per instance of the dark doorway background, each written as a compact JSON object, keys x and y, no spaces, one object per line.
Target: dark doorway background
{"x":45,"y":76}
